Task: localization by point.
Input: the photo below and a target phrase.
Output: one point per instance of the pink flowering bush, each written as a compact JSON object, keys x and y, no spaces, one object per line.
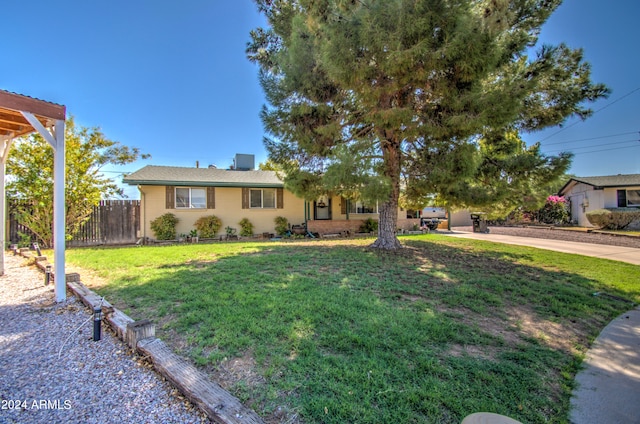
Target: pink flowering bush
{"x":555,"y":210}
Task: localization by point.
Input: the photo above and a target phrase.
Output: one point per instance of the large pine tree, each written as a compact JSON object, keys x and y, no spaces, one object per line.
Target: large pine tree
{"x":370,"y":96}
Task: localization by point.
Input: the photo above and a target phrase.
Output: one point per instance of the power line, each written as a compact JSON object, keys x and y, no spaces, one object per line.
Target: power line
{"x":598,"y":145}
{"x":603,"y":107}
{"x":592,"y":138}
{"x":606,"y":150}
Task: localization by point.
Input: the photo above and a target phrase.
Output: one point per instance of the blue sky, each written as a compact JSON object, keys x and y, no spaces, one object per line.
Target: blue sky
{"x":172,"y":77}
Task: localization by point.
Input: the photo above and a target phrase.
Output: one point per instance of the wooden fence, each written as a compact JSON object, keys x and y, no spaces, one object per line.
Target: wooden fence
{"x":112,"y":222}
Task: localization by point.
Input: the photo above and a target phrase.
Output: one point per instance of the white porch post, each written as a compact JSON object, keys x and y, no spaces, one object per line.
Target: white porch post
{"x":59,"y":215}
{"x":3,"y":230}
{"x":56,"y":140}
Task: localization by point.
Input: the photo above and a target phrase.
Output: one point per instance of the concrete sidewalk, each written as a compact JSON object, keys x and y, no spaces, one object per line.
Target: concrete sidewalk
{"x":608,"y":387}
{"x":616,"y":253}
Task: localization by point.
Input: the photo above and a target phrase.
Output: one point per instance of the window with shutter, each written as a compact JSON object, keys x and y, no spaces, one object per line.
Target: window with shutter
{"x":260,"y":198}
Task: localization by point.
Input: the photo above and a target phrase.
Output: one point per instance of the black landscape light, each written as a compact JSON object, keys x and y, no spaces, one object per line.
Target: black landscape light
{"x":97,"y":319}
{"x":47,"y":275}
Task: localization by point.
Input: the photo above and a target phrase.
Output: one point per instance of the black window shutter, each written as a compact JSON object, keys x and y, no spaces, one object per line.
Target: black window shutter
{"x":280,"y":198}
{"x":245,"y":198}
{"x":622,"y":198}
{"x":211,"y":197}
{"x":171,"y":197}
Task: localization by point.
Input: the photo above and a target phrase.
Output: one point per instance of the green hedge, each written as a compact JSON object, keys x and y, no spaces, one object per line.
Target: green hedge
{"x":613,"y":218}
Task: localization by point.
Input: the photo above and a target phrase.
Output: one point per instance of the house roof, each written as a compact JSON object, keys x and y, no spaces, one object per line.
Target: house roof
{"x":183,"y":176}
{"x":606,"y":181}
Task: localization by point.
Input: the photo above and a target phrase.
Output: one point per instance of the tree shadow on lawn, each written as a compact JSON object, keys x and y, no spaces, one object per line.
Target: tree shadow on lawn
{"x":431,"y":333}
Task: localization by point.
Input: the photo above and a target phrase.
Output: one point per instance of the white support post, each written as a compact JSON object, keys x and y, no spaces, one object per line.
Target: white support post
{"x":2,"y":215}
{"x":59,"y":215}
{"x":6,"y":145}
{"x":56,"y":140}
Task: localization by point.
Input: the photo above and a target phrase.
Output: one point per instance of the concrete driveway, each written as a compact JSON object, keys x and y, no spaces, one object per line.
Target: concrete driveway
{"x":616,"y":253}
{"x":608,"y":386}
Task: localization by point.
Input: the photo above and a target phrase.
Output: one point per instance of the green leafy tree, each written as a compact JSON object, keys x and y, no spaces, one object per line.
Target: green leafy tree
{"x":367,"y":97}
{"x":30,"y":177}
{"x":508,"y":176}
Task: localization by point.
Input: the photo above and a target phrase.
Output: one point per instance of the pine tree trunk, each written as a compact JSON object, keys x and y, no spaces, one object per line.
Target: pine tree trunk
{"x":388,"y":211}
{"x":388,"y":219}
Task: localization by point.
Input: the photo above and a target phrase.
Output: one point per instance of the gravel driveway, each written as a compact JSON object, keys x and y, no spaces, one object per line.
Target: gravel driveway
{"x":51,"y":370}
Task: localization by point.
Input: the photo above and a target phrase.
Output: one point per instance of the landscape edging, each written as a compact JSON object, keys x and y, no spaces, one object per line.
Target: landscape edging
{"x":218,"y":404}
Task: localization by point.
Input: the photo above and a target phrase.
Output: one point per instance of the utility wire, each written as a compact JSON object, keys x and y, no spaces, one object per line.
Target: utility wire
{"x":603,"y":107}
{"x":606,"y":150}
{"x":592,"y":138}
{"x":596,"y":145}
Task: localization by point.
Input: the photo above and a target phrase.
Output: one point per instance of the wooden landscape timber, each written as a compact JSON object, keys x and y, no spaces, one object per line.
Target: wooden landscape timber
{"x":218,"y":404}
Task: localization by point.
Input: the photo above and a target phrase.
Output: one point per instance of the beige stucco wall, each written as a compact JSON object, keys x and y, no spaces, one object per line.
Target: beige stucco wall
{"x":228,"y":209}
{"x":228,"y":202}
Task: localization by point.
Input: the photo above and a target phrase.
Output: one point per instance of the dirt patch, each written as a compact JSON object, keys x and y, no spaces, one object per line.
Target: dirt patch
{"x":235,"y":370}
{"x":570,"y":338}
{"x":520,"y":323}
{"x":484,"y":352}
{"x":89,"y":278}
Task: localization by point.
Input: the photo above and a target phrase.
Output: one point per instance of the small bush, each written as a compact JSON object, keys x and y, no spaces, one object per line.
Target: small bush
{"x":164,"y":226}
{"x":554,"y":211}
{"x":613,"y":218}
{"x":208,"y":226}
{"x":369,"y":225}
{"x":282,"y":225}
{"x":246,"y":227}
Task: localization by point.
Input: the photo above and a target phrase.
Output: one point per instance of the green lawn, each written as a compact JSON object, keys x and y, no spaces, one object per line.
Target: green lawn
{"x":333,"y":332}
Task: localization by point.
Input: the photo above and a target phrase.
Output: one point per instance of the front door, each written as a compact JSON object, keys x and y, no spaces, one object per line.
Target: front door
{"x":322,"y":208}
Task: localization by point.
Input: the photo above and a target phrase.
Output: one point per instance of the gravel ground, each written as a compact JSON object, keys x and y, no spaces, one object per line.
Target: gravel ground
{"x":560,"y":234}
{"x":51,"y":373}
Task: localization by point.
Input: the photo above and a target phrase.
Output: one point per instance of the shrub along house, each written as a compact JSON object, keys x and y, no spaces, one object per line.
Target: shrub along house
{"x":590,"y":193}
{"x":241,"y":192}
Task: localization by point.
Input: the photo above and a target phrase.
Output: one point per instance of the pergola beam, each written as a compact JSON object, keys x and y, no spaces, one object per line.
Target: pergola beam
{"x":21,"y":115}
{"x":39,"y":107}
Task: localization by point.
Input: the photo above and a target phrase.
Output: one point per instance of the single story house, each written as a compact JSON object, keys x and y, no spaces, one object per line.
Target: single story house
{"x":234,"y":194}
{"x":590,"y":193}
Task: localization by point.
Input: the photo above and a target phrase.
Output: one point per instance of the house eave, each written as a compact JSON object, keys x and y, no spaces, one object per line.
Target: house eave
{"x":201,"y":184}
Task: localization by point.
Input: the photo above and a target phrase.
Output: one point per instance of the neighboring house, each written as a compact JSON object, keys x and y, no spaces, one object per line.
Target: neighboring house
{"x":232,"y":195}
{"x":590,"y":193}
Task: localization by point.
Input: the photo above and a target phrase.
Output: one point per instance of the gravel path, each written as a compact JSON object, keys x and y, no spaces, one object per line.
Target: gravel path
{"x":566,"y":235}
{"x":51,"y":374}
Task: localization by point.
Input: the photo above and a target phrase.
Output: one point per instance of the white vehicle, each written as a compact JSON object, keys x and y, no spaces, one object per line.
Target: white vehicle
{"x":430,"y":217}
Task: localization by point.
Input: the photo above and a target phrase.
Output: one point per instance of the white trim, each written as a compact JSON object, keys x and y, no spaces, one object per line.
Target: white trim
{"x":51,"y":139}
{"x":175,"y":191}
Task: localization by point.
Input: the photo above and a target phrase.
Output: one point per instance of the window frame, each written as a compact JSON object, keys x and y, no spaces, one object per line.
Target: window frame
{"x":190,"y":198}
{"x":636,"y":196}
{"x":262,"y":191}
{"x":359,"y":205}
